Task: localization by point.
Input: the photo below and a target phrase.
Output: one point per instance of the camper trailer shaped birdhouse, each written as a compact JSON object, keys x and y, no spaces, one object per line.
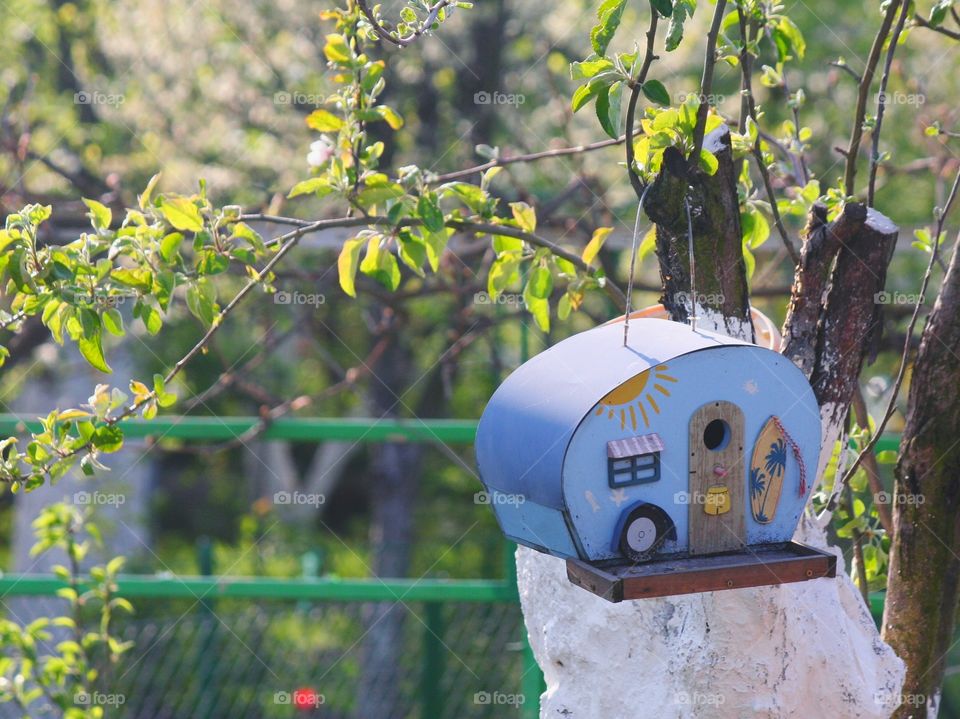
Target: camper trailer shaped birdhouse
{"x":679,"y":462}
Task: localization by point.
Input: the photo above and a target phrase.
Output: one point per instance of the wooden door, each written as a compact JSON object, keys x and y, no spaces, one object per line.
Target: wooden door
{"x":717,"y":481}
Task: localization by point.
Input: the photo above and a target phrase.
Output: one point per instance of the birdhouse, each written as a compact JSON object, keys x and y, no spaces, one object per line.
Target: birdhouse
{"x":678,"y":462}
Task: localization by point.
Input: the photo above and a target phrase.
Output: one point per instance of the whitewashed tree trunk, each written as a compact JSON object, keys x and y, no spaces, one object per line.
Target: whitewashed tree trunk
{"x":795,"y":650}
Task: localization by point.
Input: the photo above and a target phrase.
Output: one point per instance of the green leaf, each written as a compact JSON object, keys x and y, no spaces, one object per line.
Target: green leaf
{"x":682,"y":9}
{"x":540,"y":283}
{"x":170,"y":246}
{"x":347,"y":264}
{"x":887,"y":456}
{"x":412,"y":252}
{"x":108,"y":438}
{"x":201,"y":301}
{"x":596,"y":242}
{"x":90,"y":340}
{"x":144,"y":199}
{"x":113,"y":322}
{"x":656,"y":92}
{"x":390,"y":116}
{"x":164,"y":398}
{"x":182,"y":213}
{"x":324,"y":121}
{"x":381,"y":264}
{"x":503,"y":273}
{"x":608,"y":109}
{"x":380,"y":194}
{"x":320,"y":186}
{"x":539,"y":308}
{"x":428,"y":207}
{"x":708,"y":162}
{"x":609,"y":15}
{"x":336,"y":49}
{"x":525,"y":216}
{"x":664,"y":7}
{"x":589,"y":68}
{"x":100,"y":215}
{"x":436,"y":243}
{"x":755,"y":228}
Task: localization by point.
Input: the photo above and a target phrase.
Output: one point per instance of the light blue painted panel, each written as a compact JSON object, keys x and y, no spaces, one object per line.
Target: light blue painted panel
{"x":533,"y":525}
{"x":524,"y":431}
{"x":540,"y":439}
{"x":762,"y":383}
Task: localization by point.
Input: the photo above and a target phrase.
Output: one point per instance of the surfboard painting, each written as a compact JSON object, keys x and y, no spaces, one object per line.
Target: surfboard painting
{"x":767,"y":469}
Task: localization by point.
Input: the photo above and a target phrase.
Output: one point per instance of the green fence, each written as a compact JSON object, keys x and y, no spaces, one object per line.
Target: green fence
{"x":213,"y":647}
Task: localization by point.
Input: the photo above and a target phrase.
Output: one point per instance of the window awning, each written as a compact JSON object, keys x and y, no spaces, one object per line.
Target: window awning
{"x":633,"y":446}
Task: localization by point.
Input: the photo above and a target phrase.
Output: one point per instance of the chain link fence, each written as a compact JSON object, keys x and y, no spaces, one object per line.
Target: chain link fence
{"x":339,"y":660}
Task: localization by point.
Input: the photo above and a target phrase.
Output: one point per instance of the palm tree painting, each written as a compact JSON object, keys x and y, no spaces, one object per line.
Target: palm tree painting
{"x":767,"y":468}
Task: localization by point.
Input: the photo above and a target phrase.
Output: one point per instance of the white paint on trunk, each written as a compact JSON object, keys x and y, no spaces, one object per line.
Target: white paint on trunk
{"x":797,"y":650}
{"x":713,"y":321}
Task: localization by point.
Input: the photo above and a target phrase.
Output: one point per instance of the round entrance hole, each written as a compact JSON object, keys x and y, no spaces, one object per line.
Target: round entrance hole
{"x":716,"y":435}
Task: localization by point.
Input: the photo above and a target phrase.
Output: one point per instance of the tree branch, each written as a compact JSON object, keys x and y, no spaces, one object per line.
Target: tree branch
{"x":612,"y":290}
{"x":635,"y":90}
{"x":750,"y":106}
{"x":882,"y":102}
{"x":706,"y":83}
{"x":866,"y":80}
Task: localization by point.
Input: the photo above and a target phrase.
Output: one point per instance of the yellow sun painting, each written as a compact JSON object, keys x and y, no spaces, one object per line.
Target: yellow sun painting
{"x":632,"y":397}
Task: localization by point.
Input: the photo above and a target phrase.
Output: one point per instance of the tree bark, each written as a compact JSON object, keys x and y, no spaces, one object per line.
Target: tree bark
{"x":722,"y":301}
{"x":924,"y":574}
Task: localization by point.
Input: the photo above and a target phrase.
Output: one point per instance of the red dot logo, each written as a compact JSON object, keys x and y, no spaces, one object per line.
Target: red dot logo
{"x":306,"y":699}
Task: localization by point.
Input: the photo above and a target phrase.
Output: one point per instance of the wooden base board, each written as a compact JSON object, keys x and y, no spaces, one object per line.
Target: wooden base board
{"x":754,"y":567}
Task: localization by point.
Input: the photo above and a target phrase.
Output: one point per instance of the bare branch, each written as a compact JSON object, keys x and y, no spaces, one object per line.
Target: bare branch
{"x":637,"y":86}
{"x":882,"y":102}
{"x":866,"y":80}
{"x":750,"y":106}
{"x":706,"y":83}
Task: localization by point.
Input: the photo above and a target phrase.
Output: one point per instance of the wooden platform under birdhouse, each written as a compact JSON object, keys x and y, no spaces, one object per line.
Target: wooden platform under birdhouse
{"x":753,"y":567}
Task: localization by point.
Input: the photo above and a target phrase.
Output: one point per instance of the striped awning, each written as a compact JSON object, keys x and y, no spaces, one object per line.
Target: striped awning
{"x":634,"y":446}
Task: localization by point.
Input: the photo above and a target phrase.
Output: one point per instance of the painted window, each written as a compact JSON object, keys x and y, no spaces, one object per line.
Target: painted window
{"x":636,"y":469}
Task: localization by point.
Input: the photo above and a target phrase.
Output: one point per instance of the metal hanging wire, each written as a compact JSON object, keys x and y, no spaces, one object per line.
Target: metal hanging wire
{"x":633,"y":264}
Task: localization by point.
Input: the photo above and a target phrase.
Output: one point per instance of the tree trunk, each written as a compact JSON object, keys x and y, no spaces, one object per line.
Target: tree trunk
{"x":924,"y":573}
{"x":722,"y":300}
{"x":394,"y":471}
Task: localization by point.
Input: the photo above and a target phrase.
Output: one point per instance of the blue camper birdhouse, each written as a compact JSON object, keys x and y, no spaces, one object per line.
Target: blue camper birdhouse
{"x":677,"y":462}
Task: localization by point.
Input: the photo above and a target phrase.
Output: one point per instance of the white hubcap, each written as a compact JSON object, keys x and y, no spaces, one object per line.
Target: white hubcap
{"x":641,"y":534}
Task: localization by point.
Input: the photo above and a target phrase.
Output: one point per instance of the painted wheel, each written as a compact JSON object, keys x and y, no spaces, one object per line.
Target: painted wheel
{"x":643,"y":533}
